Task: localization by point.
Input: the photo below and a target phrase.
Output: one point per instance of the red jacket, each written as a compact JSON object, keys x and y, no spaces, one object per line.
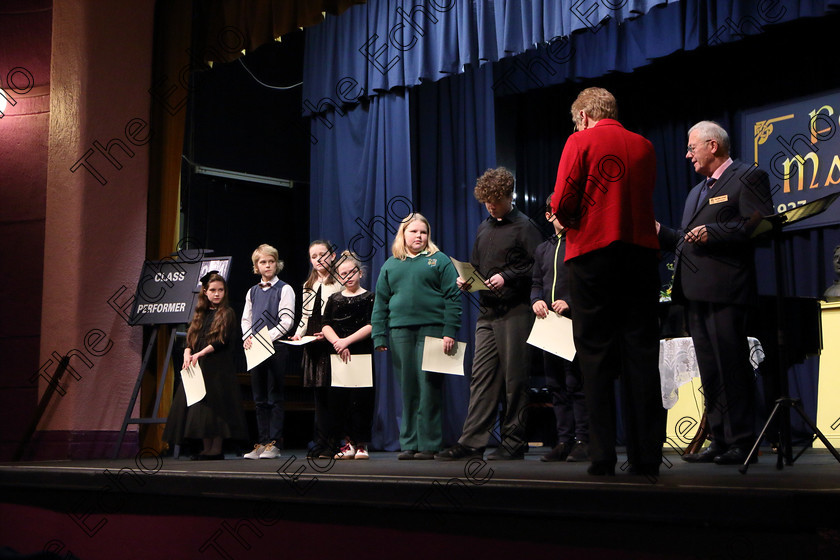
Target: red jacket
{"x":604,"y":189}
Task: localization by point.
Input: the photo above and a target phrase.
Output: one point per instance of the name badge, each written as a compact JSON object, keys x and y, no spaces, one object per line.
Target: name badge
{"x":719,"y":199}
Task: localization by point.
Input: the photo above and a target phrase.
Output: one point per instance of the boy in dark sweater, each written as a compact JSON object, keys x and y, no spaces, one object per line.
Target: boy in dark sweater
{"x":550,"y":293}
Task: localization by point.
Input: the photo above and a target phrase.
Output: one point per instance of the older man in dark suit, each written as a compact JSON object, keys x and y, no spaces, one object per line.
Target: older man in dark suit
{"x":715,"y":276}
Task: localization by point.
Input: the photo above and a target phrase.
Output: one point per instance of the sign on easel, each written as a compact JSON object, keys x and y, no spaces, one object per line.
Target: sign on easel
{"x":167,"y":289}
{"x":166,"y":295}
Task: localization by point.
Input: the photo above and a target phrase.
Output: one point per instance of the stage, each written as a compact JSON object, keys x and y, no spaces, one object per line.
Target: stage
{"x":292,"y":507}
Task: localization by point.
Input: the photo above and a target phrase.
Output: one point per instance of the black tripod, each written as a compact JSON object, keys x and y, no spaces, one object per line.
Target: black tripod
{"x":784,"y":404}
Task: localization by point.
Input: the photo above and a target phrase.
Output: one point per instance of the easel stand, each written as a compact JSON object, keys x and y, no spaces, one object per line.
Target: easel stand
{"x":163,"y":367}
{"x":785,"y":403}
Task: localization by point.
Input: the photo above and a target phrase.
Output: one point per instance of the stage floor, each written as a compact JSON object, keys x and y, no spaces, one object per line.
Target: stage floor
{"x":796,"y":506}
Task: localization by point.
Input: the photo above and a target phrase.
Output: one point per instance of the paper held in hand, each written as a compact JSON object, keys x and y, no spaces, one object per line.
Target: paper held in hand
{"x":434,"y":359}
{"x":358,"y":372}
{"x":303,"y":340}
{"x":261,"y":349}
{"x":193,"y":381}
{"x":553,"y":334}
{"x":470,"y":274}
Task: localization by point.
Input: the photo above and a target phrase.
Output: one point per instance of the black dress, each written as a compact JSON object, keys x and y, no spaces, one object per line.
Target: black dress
{"x":316,"y":355}
{"x":219,"y":413}
{"x":352,"y":409}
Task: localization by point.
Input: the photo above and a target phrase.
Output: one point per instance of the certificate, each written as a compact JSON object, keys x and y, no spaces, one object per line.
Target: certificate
{"x":553,"y":334}
{"x":470,"y":275}
{"x":434,"y":359}
{"x":261,"y":349}
{"x":303,"y":340}
{"x":358,"y":372}
{"x":193,"y":381}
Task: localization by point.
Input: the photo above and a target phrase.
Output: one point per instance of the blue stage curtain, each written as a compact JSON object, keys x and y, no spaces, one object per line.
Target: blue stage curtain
{"x":386,"y":44}
{"x":455,"y":142}
{"x":360,"y":190}
{"x":364,"y":155}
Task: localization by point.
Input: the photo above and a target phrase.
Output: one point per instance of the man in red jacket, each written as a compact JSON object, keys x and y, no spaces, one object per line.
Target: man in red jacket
{"x":604,"y":195}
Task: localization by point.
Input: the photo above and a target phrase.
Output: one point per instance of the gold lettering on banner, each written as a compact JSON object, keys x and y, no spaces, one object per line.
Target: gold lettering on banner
{"x":763,"y":130}
{"x":835,"y":166}
{"x":800,"y":169}
{"x":813,"y":114}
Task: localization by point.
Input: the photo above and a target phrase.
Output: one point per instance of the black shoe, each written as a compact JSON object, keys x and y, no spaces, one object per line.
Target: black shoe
{"x":424,"y":455}
{"x":502,"y":453}
{"x":706,"y":456}
{"x":644,"y":470}
{"x":407,"y":455}
{"x":559,"y":453}
{"x":579,"y":453}
{"x":458,"y":451}
{"x":735,"y":456}
{"x":601,"y":468}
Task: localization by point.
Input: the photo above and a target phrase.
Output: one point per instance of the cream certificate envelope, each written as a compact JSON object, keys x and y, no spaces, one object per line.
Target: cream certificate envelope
{"x":261,"y":349}
{"x":358,"y":372}
{"x":470,"y":274}
{"x":553,"y":334}
{"x":435,"y":360}
{"x":193,"y":381}
{"x":303,"y":340}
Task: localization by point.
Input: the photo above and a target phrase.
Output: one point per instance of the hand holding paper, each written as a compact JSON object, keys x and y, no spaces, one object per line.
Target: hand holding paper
{"x":554,"y":334}
{"x":193,"y":380}
{"x":357,"y":372}
{"x":301,"y":341}
{"x":435,"y":359}
{"x":260,"y":349}
{"x":471,"y":276}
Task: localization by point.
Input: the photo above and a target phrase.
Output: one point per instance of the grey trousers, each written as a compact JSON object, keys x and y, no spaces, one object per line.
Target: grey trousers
{"x":500,"y":371}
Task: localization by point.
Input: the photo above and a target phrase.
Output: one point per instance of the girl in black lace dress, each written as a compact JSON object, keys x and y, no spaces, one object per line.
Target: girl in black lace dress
{"x":347,"y":327}
{"x":219,"y":414}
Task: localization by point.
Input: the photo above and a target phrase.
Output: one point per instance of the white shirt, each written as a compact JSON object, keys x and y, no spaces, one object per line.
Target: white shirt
{"x":285,"y":312}
{"x":308,"y":306}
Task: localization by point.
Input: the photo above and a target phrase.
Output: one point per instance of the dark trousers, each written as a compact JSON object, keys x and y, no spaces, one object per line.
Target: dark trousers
{"x":267,"y":381}
{"x":615,"y":293}
{"x":351,"y":411}
{"x":719,"y":332}
{"x":324,"y":439}
{"x":500,"y":370}
{"x":565,"y":385}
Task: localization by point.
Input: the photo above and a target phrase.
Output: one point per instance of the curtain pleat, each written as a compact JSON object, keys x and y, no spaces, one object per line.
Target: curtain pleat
{"x":361,"y":189}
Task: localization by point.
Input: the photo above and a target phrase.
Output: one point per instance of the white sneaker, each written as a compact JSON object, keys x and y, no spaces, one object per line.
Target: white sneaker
{"x":270,"y":452}
{"x":347,"y":452}
{"x":255,"y":454}
{"x":361,"y":453}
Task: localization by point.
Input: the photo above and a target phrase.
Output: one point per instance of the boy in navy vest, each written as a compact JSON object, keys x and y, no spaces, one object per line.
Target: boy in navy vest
{"x":271,"y":303}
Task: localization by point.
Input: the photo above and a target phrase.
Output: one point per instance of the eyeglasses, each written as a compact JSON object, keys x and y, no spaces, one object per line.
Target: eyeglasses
{"x":690,"y":149}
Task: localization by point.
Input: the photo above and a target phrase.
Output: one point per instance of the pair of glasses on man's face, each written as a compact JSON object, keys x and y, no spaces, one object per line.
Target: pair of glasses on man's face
{"x":690,"y":149}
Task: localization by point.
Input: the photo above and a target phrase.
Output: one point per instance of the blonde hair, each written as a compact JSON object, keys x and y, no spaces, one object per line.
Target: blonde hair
{"x":353,"y":259}
{"x":268,"y":251}
{"x":598,"y":104}
{"x":398,"y":247}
